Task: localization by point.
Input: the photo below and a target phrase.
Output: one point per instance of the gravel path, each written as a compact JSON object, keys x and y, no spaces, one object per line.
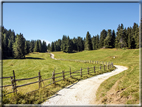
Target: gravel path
{"x":52,"y":56}
{"x":82,"y":92}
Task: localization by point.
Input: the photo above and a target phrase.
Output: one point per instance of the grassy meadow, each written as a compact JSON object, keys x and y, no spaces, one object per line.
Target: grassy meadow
{"x":124,"y":87}
{"x":35,"y":62}
{"x":119,"y":89}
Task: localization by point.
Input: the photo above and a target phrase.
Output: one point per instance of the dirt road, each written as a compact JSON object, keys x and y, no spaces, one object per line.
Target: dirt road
{"x":82,"y":92}
{"x":52,"y":56}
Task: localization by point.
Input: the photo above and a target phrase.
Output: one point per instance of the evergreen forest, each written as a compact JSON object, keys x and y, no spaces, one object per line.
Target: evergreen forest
{"x":16,"y":46}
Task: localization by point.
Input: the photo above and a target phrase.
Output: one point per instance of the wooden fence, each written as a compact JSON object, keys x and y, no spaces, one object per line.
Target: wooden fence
{"x":64,"y":74}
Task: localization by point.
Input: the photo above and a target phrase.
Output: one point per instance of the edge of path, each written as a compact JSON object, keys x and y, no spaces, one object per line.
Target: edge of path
{"x":67,"y":98}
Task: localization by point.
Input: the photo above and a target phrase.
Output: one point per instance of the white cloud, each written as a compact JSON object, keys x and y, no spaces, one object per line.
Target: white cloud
{"x":47,"y":42}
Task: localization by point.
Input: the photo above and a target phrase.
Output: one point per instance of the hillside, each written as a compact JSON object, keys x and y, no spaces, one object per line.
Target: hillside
{"x":35,"y":62}
{"x":125,"y":85}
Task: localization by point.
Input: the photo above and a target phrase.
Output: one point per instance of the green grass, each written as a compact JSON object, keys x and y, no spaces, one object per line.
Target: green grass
{"x":29,"y":67}
{"x":35,"y":62}
{"x":128,"y":80}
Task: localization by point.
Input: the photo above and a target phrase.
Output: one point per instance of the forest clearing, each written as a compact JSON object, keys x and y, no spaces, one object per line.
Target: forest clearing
{"x":71,"y":53}
{"x":128,"y":58}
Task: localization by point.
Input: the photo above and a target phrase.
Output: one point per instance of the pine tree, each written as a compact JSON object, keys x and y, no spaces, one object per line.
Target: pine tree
{"x":107,"y":41}
{"x":94,"y":46}
{"x":74,"y":41}
{"x":135,"y":36}
{"x":68,"y":46}
{"x":116,"y":42}
{"x":80,"y":45}
{"x":102,"y":38}
{"x":10,"y":53}
{"x":129,"y":32}
{"x":64,"y":43}
{"x":88,"y":44}
{"x":32,"y":45}
{"x":113,"y":39}
{"x":36,"y":47}
{"x":40,"y":45}
{"x":44,"y":47}
{"x":18,"y":46}
{"x":121,"y":37}
{"x":27,"y":47}
{"x":5,"y":46}
{"x":97,"y":41}
{"x":55,"y":48}
{"x":48,"y":47}
{"x":52,"y":47}
{"x":58,"y":45}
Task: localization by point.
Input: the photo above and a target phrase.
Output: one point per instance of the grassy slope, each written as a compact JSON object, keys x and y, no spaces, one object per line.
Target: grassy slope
{"x":125,"y":84}
{"x":26,"y":68}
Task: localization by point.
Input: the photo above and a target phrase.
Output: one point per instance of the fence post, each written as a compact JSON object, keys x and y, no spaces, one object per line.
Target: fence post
{"x":53,"y":76}
{"x":39,"y":79}
{"x":104,"y":67}
{"x":81,"y":72}
{"x":100,"y":67}
{"x":107,"y":66}
{"x":88,"y":70}
{"x":14,"y":83}
{"x":94,"y":69}
{"x":70,"y":72}
{"x":63,"y":75}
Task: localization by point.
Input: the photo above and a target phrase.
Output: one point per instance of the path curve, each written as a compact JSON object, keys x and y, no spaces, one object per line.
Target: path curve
{"x":52,"y":56}
{"x":82,"y":92}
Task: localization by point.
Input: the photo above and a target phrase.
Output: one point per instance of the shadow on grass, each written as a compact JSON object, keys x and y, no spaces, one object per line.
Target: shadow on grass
{"x":34,"y":58}
{"x":23,"y":58}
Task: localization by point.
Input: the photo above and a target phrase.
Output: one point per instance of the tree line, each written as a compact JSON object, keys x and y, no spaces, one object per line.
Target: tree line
{"x":123,"y":38}
{"x":16,"y":46}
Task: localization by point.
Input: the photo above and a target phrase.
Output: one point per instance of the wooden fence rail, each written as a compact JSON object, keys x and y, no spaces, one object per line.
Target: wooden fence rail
{"x":62,"y":75}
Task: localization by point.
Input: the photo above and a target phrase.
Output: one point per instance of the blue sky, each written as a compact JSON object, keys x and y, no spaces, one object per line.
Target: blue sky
{"x":50,"y":21}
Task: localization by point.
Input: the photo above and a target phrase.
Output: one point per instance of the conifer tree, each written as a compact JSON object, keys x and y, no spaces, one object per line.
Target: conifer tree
{"x":40,"y":45}
{"x":88,"y":43}
{"x":36,"y":47}
{"x":32,"y":44}
{"x":74,"y":41}
{"x":80,"y":45}
{"x":27,"y":47}
{"x":18,"y":46}
{"x":64,"y":43}
{"x":129,"y":32}
{"x":48,"y":47}
{"x":97,"y":41}
{"x":102,"y":38}
{"x":68,"y":46}
{"x":52,"y":47}
{"x":94,"y":44}
{"x":113,"y":39}
{"x":44,"y":47}
{"x":107,"y":41}
{"x":55,"y":48}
